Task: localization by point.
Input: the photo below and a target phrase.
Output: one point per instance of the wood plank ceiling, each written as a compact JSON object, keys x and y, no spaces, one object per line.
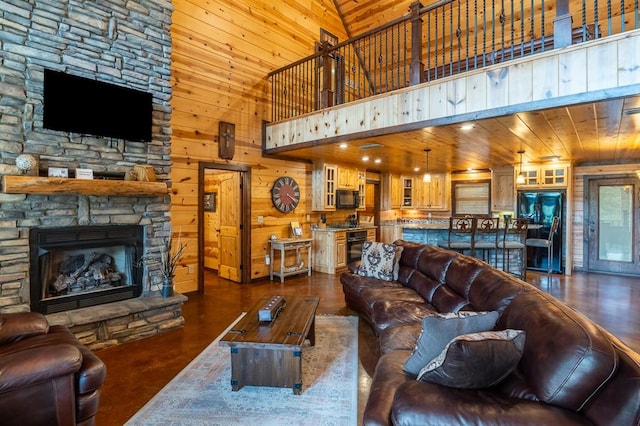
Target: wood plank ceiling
{"x":606,"y":132}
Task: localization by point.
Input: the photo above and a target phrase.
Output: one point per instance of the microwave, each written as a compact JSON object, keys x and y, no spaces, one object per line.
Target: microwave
{"x":346,"y":199}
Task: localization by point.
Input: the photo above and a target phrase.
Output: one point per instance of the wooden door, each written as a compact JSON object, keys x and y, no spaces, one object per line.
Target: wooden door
{"x":613,"y":237}
{"x":230,"y":219}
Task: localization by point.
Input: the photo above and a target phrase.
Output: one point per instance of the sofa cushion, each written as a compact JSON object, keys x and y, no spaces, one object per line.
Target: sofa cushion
{"x":476,"y":360}
{"x":567,"y":359}
{"x":423,"y":403}
{"x":21,"y":325}
{"x":380,"y":260}
{"x":400,"y":336}
{"x":439,"y":329}
{"x":387,"y":313}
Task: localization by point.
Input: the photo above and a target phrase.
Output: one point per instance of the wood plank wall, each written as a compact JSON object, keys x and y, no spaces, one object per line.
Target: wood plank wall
{"x":222,"y":53}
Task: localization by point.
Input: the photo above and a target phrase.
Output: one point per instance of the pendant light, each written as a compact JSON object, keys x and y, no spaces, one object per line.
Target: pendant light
{"x":520,"y":180}
{"x":427,"y":176}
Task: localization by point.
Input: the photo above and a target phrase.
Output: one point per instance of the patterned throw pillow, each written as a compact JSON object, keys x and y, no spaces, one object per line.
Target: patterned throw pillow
{"x":380,"y":260}
{"x":475,"y":361}
{"x":439,"y":329}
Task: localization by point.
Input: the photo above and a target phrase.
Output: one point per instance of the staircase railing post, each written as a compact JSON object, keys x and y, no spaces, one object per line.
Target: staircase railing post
{"x":562,"y":25}
{"x":416,"y":69}
{"x":326,"y":96}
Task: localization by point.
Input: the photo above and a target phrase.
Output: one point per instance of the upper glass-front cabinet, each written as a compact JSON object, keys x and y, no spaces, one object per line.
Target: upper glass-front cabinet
{"x":549,"y":175}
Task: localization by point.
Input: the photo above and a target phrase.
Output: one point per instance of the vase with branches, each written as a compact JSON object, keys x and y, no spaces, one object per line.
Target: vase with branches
{"x":169,"y":258}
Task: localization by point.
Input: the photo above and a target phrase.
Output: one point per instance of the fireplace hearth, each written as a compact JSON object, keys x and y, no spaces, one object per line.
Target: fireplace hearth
{"x":81,"y":266}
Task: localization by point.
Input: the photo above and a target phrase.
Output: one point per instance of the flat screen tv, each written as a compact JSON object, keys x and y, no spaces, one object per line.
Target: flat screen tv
{"x":81,"y":105}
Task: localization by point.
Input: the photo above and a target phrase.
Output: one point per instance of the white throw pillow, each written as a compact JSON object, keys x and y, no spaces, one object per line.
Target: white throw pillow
{"x":380,"y":260}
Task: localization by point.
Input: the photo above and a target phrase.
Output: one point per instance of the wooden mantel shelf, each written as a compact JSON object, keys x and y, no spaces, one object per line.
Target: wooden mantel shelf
{"x":46,"y":185}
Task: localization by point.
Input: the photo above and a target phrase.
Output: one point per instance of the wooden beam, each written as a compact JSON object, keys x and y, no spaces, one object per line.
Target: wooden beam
{"x":45,"y":185}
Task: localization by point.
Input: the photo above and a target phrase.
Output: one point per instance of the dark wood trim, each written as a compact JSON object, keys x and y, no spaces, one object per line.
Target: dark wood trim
{"x":245,"y":207}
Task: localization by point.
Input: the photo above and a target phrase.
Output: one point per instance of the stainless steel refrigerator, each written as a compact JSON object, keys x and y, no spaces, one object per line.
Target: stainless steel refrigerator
{"x":540,"y":207}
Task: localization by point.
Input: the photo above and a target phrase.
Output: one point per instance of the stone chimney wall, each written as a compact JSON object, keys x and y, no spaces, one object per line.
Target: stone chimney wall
{"x":123,"y":42}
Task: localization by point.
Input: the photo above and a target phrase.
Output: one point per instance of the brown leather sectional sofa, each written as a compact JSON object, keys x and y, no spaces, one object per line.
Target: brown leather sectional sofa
{"x":571,"y":372}
{"x":47,"y":377}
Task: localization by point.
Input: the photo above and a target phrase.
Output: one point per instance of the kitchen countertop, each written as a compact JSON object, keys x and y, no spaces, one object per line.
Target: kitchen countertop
{"x":335,"y":229}
{"x":438,"y":226}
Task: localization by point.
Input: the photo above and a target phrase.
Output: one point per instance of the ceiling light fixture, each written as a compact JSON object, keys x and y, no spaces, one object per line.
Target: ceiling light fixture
{"x":520,"y":179}
{"x":427,"y":176}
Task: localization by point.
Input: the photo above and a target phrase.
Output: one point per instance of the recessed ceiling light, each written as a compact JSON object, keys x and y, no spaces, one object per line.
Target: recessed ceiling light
{"x":466,"y":127}
{"x":377,"y":161}
{"x":416,"y":169}
{"x":343,"y":145}
{"x":365,"y":158}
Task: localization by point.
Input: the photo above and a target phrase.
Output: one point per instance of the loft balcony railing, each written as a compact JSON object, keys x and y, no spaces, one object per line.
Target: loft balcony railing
{"x":442,"y":39}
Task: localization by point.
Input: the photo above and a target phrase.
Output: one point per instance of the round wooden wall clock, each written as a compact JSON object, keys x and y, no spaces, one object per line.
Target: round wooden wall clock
{"x":285,"y":194}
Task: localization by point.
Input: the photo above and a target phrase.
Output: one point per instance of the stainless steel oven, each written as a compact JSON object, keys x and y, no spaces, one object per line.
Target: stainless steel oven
{"x":355,"y":239}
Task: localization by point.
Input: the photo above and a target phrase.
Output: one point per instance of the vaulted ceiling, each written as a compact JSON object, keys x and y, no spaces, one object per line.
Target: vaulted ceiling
{"x":605,"y":132}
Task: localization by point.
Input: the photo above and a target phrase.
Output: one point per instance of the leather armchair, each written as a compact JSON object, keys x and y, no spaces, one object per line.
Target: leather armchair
{"x":46,"y":375}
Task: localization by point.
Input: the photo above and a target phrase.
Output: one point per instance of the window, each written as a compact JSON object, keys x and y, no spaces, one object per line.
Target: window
{"x":471,"y":197}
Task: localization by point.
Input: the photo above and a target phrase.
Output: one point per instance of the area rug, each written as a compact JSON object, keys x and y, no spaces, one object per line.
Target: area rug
{"x":201,"y":393}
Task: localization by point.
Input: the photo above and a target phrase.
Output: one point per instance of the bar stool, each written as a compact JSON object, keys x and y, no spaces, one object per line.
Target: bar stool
{"x":513,"y":238}
{"x":486,"y":238}
{"x":461,"y":234}
{"x":548,"y":243}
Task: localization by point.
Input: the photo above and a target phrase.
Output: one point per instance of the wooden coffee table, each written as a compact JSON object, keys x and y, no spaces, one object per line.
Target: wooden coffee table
{"x":270,"y":353}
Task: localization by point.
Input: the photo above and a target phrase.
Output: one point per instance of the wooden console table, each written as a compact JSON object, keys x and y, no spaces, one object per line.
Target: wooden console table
{"x":283,"y":245}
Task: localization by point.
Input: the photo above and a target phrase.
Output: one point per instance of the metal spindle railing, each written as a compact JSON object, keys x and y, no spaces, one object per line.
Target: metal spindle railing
{"x":436,"y":41}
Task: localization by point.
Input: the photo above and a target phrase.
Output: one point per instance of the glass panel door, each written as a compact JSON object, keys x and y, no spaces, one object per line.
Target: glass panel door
{"x":612,"y":220}
{"x":615,"y":221}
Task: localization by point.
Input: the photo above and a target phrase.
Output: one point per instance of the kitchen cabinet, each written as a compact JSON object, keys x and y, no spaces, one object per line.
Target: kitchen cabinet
{"x":553,"y":175}
{"x":407,"y":192}
{"x":347,"y":178}
{"x":502,"y":189}
{"x":362,"y":189}
{"x":371,"y":234}
{"x":390,"y":233}
{"x":329,"y":251}
{"x":434,"y":195}
{"x":391,"y":188}
{"x":324,"y":183}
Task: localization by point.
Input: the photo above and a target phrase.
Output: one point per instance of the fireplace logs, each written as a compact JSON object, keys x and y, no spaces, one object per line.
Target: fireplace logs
{"x":81,"y":266}
{"x":85,"y":272}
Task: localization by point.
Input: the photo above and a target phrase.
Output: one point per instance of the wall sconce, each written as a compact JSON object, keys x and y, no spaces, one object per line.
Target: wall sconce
{"x":520,"y":180}
{"x":638,"y":173}
{"x":427,"y":176}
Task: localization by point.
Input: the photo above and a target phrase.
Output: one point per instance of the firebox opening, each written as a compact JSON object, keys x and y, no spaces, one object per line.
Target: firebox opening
{"x":81,"y":266}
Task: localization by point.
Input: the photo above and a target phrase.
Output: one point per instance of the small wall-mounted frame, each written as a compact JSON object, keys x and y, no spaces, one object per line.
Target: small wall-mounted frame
{"x":328,"y":37}
{"x":226,"y":140}
{"x":209,"y":202}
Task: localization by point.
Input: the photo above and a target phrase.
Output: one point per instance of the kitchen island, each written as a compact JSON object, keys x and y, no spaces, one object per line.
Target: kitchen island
{"x":434,"y":232}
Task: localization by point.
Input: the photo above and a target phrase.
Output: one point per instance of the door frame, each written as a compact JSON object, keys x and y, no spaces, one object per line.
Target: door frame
{"x":588,"y":180}
{"x":245,"y":218}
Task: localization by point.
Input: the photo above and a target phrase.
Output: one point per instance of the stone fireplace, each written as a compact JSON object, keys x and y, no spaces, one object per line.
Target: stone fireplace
{"x":81,"y":266}
{"x":111,"y":301}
